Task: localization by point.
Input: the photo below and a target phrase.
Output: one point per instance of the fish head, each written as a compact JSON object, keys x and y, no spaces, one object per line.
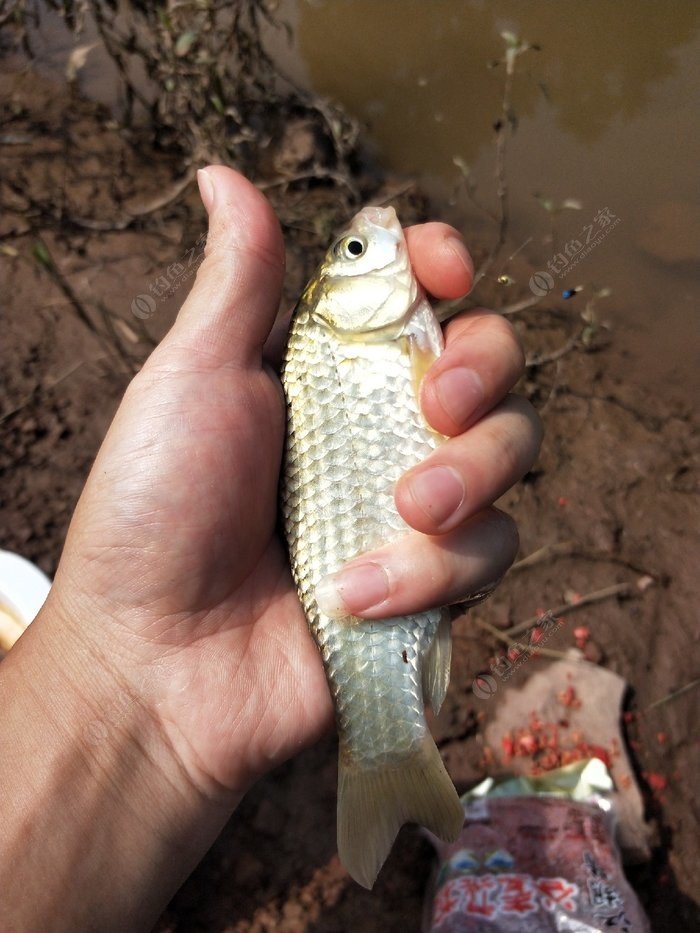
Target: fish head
{"x":365,"y":287}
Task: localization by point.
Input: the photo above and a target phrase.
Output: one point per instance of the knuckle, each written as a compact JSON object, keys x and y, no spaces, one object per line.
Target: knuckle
{"x":510,"y":448}
{"x":497,"y":339}
{"x":526,"y":416}
{"x":451,"y":573}
{"x":532,"y":428}
{"x":511,"y":454}
{"x":508,"y":337}
{"x":507,"y":530}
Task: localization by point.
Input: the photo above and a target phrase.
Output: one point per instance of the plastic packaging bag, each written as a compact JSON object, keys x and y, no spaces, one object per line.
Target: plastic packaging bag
{"x":536,"y":854}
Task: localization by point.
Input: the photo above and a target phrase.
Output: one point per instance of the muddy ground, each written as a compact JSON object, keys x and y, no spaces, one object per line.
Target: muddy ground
{"x":615,"y":487}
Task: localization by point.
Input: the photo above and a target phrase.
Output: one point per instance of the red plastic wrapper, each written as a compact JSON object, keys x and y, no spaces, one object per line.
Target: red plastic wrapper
{"x":531,"y":864}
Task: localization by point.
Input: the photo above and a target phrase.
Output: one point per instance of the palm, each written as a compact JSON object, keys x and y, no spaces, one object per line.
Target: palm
{"x":223,"y":624}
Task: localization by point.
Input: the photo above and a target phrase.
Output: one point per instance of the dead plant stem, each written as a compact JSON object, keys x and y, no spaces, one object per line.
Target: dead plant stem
{"x":506,"y":640}
{"x":608,"y":592}
{"x":502,"y":132}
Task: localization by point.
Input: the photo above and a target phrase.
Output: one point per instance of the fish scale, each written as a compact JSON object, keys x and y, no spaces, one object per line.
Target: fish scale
{"x":354,"y":426}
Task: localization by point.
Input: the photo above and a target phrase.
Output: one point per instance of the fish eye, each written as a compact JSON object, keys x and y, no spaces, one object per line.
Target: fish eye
{"x":351,"y":247}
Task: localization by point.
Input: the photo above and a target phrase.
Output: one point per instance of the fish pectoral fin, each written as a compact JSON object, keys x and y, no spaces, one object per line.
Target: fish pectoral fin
{"x":425,"y":341}
{"x":436,"y":664}
{"x":374,"y":803}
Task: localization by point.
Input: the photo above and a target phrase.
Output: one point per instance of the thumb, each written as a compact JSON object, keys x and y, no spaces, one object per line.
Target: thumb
{"x":235,"y":298}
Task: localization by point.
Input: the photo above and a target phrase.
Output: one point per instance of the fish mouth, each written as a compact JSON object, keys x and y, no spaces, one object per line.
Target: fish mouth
{"x":380,"y":223}
{"x":383,"y":217}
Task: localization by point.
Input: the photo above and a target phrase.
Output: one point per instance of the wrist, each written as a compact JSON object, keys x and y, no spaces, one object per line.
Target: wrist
{"x":101,"y":821}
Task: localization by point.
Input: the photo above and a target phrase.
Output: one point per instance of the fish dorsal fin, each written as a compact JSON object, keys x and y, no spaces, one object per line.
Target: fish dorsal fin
{"x":436,"y":664}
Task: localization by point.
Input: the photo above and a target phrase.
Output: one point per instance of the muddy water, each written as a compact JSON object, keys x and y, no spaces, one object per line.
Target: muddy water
{"x":608,"y":113}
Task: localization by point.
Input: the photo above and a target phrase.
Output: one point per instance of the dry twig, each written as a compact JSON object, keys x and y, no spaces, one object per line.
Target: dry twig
{"x":539,"y":359}
{"x":506,"y":640}
{"x":673,"y":695}
{"x":112,"y":347}
{"x":504,"y":127}
{"x":170,"y":196}
{"x":544,"y":553}
{"x":623,"y":590}
{"x":47,"y":384}
{"x":517,"y":306}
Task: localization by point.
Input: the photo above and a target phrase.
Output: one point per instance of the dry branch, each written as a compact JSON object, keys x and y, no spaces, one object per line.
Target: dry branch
{"x":545,"y":553}
{"x":506,"y":640}
{"x":624,"y":590}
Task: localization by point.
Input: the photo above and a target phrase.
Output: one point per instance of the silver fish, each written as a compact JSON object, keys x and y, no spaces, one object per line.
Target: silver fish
{"x":361,"y":338}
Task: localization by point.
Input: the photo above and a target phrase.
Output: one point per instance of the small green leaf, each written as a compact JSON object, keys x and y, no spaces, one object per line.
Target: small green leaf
{"x":42,"y":255}
{"x":184,"y":43}
{"x":462,"y":165}
{"x":588,"y":334}
{"x":218,"y":103}
{"x":545,"y":202}
{"x":510,"y":39}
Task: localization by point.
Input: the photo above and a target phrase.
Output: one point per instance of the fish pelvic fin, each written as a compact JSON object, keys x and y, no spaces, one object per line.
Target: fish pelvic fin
{"x":374,"y":803}
{"x":425,"y":341}
{"x":436,"y":665}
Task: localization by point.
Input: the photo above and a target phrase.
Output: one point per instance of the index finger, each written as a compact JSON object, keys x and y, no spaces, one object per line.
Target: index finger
{"x":440,"y":259}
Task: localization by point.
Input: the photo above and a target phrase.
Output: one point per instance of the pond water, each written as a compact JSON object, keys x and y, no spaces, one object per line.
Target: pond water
{"x":608,"y":114}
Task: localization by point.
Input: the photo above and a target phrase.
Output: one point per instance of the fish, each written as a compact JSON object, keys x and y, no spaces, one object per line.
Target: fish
{"x":361,"y":338}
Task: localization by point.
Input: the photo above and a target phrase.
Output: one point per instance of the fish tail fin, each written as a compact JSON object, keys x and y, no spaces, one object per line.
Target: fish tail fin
{"x":374,"y":803}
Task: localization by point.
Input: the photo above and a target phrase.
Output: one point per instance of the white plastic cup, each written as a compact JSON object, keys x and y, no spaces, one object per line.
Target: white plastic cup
{"x":23,"y":590}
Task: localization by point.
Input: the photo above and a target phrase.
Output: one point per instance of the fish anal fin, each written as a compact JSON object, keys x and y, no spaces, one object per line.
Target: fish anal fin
{"x":436,"y":664}
{"x":374,"y":803}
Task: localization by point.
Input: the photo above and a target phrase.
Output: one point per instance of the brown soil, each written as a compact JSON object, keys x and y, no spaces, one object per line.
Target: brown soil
{"x":616,"y":482}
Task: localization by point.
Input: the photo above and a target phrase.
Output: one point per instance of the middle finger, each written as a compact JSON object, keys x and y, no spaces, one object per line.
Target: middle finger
{"x":470,"y":471}
{"x":482,"y":361}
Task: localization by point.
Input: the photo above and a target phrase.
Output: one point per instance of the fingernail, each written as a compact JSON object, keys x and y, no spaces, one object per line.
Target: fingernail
{"x":352,"y":590}
{"x":460,"y":391}
{"x":461,"y":253}
{"x":206,"y":189}
{"x":438,"y":492}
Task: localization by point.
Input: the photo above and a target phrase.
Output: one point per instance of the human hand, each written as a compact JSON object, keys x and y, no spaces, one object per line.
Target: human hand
{"x":173,"y":565}
{"x":171,"y":664}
